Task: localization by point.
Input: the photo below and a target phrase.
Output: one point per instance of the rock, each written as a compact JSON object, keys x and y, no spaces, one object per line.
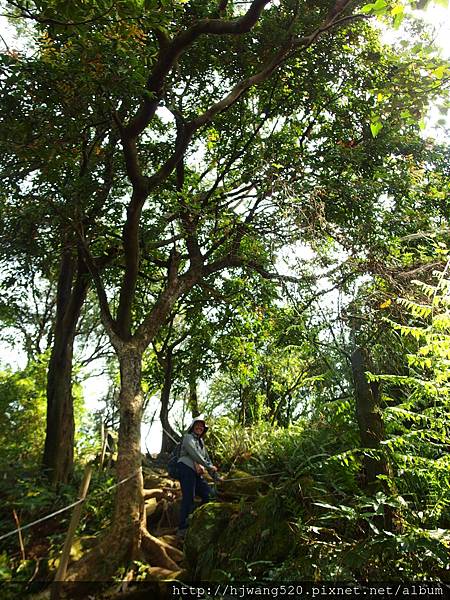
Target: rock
{"x":239,"y":483}
{"x":158,"y":478}
{"x":240,"y":540}
{"x":153,"y":478}
{"x":202,"y":541}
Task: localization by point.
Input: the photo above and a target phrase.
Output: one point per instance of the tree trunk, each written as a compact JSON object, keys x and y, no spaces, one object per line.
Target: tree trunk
{"x":371,"y":427}
{"x":245,"y":414}
{"x":129,"y":514}
{"x":128,"y":538}
{"x":193,"y":396}
{"x":168,"y":433}
{"x":59,"y":440}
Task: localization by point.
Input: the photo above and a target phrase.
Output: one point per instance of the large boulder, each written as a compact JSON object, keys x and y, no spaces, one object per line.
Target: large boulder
{"x":239,"y":540}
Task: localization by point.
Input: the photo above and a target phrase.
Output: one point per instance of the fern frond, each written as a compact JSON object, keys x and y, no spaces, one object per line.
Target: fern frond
{"x":417,"y":310}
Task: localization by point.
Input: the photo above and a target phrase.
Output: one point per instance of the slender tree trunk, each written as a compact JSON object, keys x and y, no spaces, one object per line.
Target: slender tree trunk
{"x":168,"y":433}
{"x":289,"y":410}
{"x":371,"y":427}
{"x":368,"y":414}
{"x":245,"y":416}
{"x":59,"y":440}
{"x":193,"y":396}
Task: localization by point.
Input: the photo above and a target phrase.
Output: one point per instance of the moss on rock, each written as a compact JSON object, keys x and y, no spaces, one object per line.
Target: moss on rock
{"x":240,"y":483}
{"x":238,"y":540}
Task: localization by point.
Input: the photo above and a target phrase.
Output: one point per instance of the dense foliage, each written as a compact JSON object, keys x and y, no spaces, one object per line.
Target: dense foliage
{"x":233,"y":204}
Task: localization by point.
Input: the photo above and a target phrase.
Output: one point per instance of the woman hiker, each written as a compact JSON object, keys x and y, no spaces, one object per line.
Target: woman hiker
{"x":192,"y":464}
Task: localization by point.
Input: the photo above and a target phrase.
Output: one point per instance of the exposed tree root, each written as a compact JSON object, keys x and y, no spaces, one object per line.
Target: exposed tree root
{"x":156,"y":590}
{"x":113,"y":551}
{"x":175,"y":553}
{"x":154,"y":493}
{"x":164,"y":515}
{"x":100,"y":563}
{"x":157,"y":552}
{"x":161,"y":573}
{"x":133,"y":541}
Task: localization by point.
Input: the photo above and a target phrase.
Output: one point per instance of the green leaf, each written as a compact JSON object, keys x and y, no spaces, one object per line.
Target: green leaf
{"x":440,"y":72}
{"x":397,"y":10}
{"x":398,"y":19}
{"x":325,"y":505}
{"x":368,"y":8}
{"x":375,"y":128}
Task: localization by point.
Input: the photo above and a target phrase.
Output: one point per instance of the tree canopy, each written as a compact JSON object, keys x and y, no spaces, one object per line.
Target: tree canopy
{"x":168,"y":154}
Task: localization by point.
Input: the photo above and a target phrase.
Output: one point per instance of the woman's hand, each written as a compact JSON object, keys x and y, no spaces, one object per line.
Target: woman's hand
{"x":199,"y":469}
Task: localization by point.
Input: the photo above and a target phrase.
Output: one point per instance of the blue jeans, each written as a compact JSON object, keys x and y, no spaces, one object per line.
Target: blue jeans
{"x":191,"y":485}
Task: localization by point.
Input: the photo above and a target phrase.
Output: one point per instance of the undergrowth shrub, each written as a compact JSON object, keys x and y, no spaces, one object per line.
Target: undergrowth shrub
{"x":339,"y":524}
{"x":320,"y":488}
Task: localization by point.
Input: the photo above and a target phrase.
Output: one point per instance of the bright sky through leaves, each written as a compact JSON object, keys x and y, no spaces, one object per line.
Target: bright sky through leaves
{"x":95,"y":388}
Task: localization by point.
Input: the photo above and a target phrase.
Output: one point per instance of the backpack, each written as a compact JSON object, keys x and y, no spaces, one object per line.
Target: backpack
{"x":172,"y":463}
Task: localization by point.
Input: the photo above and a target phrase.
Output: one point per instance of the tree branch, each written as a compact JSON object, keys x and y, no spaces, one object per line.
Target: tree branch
{"x":105,"y":313}
{"x":27,"y":14}
{"x":170,"y":52}
{"x":175,"y":287}
{"x":239,"y":89}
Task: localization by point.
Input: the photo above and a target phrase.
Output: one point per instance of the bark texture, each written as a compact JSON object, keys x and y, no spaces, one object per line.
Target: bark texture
{"x":368,"y":414}
{"x":371,"y":427}
{"x":193,"y":396}
{"x":59,"y":440}
{"x":129,"y":514}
